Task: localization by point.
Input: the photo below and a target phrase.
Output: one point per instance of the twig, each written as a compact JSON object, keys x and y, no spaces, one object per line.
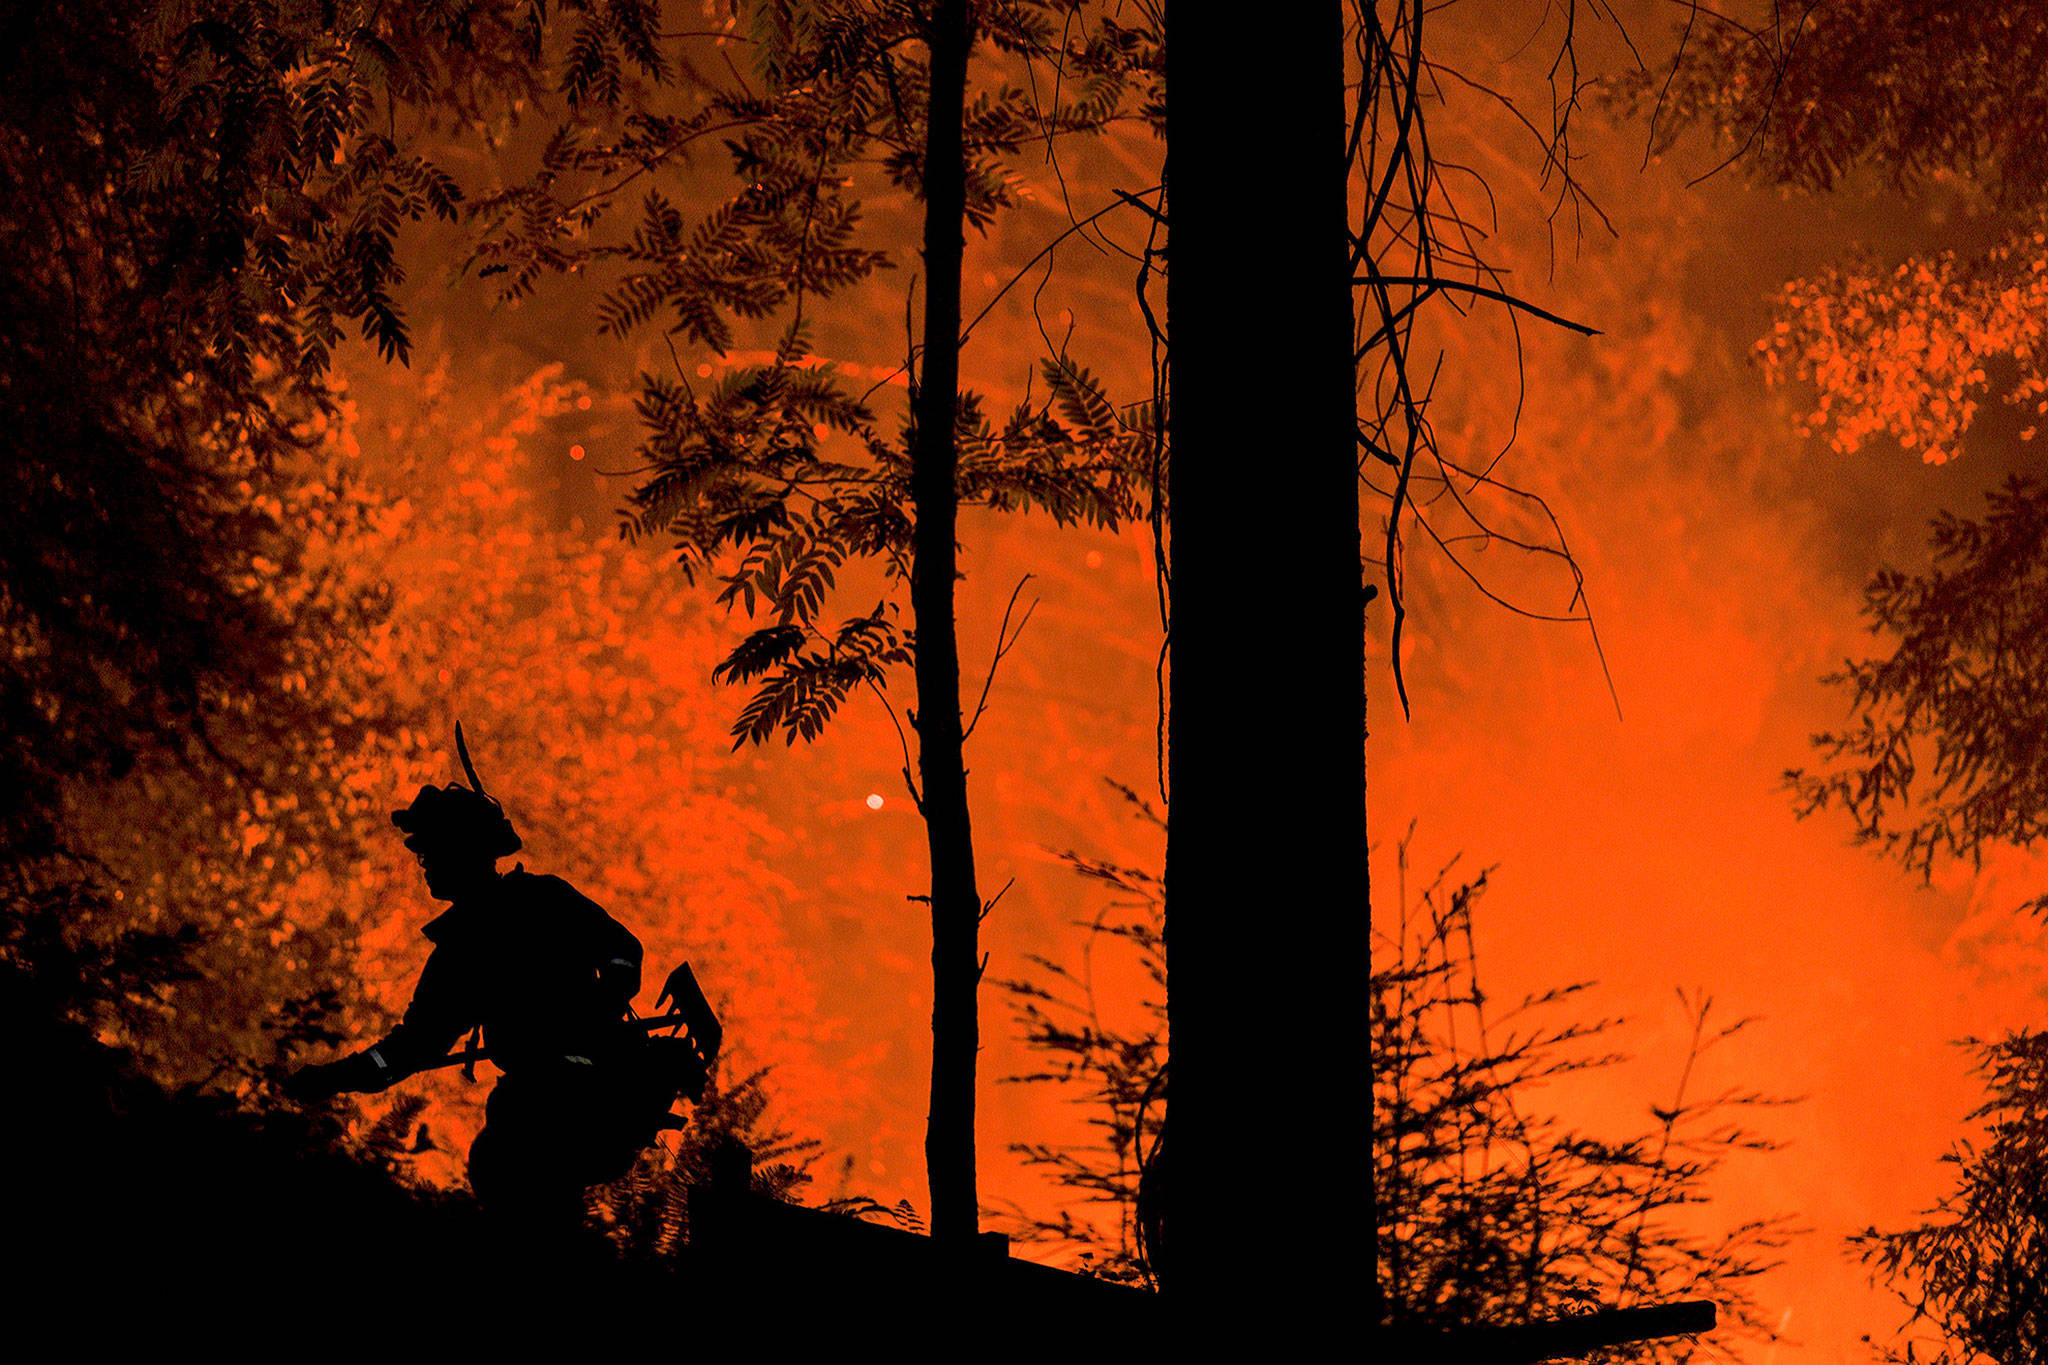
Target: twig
{"x":1005,"y":642}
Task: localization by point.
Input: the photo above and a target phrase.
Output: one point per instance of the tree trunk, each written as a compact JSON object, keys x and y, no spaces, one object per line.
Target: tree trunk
{"x":955,"y":901}
{"x":1267,"y":921}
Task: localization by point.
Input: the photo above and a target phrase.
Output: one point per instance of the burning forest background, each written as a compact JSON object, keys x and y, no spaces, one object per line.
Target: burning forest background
{"x":324,"y":441}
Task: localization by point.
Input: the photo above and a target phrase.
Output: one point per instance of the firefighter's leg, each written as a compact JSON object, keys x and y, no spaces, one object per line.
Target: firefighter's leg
{"x":519,"y":1164}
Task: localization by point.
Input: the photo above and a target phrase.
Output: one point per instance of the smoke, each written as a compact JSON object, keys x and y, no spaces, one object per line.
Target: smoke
{"x":1630,"y":792}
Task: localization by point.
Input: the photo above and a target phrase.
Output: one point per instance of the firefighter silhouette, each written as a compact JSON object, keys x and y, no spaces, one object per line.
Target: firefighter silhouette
{"x":545,"y":979}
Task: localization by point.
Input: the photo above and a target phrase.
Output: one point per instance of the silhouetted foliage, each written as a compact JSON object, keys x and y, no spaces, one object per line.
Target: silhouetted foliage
{"x":1977,"y":1270}
{"x":1945,"y":754}
{"x":1494,"y":1211}
{"x":1940,"y":99}
{"x":1491,"y":1211}
{"x":777,"y":475}
{"x":1943,"y":762}
{"x":1941,"y":758}
{"x":1806,"y":93}
{"x":646,"y":1215}
{"x":1116,"y":1076}
{"x":741,"y":471}
{"x":201,"y":196}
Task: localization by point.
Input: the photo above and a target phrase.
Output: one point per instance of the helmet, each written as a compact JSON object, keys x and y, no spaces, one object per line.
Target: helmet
{"x":458,"y":817}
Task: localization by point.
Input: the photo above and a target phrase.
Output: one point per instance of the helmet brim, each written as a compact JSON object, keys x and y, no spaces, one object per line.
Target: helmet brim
{"x":455,"y":818}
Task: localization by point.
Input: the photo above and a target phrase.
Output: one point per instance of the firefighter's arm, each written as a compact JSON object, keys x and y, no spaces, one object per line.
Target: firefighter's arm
{"x":361,"y":1071}
{"x":618,"y":954}
{"x":435,"y":1019}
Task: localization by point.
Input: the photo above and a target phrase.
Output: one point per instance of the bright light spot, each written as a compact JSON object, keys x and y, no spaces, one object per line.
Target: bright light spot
{"x":445,"y":676}
{"x":875,"y":801}
{"x":584,"y":402}
{"x":821,"y":431}
{"x":703,"y":371}
{"x":1093,"y":559}
{"x":575,"y":452}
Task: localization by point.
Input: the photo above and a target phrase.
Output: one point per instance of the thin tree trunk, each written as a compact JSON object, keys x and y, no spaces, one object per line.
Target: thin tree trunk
{"x":955,"y":901}
{"x":1267,"y":923}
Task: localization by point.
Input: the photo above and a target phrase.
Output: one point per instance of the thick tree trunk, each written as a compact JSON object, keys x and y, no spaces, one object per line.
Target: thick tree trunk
{"x":955,"y":901}
{"x":1267,"y":922}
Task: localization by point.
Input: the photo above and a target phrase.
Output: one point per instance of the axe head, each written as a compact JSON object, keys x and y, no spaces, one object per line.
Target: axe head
{"x":682,"y":993}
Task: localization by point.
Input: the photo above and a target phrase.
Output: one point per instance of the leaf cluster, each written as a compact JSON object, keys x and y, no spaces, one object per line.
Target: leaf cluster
{"x":203,"y":196}
{"x":1808,"y":93}
{"x":775,"y":477}
{"x":1910,"y":351}
{"x":275,"y":158}
{"x":1946,"y":750}
{"x":741,"y":480}
{"x":1939,"y":100}
{"x":1977,"y":1270}
{"x":838,"y":90}
{"x":778,"y":240}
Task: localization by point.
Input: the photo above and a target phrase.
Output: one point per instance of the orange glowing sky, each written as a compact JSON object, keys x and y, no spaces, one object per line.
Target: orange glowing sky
{"x":1724,"y":556}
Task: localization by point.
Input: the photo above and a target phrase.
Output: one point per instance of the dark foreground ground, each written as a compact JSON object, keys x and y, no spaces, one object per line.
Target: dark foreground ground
{"x":151,"y":1221}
